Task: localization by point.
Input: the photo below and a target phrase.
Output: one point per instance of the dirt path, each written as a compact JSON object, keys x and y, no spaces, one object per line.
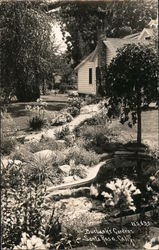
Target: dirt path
{"x":86,"y":113}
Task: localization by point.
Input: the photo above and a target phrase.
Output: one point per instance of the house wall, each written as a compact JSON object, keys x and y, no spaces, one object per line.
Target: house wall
{"x":83,"y":74}
{"x":110,"y":56}
{"x":83,"y":77}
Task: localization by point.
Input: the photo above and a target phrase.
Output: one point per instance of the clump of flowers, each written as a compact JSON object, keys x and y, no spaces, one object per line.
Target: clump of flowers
{"x":122,"y":192}
{"x":61,"y":119}
{"x":33,"y":243}
{"x":37,"y":112}
{"x":74,"y":106}
{"x":94,"y":191}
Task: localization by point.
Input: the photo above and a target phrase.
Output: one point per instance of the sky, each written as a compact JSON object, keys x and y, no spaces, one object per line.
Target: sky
{"x":58,"y":37}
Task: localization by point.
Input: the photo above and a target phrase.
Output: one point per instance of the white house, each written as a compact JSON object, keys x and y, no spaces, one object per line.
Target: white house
{"x":87,"y":69}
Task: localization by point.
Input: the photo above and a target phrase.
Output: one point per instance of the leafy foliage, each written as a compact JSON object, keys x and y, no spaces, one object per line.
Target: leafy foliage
{"x":82,"y":22}
{"x":131,"y":82}
{"x":26,"y":49}
{"x":37,"y":111}
{"x":74,"y":106}
{"x":25,"y":214}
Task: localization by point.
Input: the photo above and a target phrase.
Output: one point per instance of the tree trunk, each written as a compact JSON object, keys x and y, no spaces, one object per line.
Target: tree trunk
{"x":139,"y":117}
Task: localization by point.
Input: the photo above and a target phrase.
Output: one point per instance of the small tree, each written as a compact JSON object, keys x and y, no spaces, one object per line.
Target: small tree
{"x":131,"y":82}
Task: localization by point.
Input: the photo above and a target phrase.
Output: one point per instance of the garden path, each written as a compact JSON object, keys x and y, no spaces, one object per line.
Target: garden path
{"x":92,"y":173}
{"x":86,"y":112}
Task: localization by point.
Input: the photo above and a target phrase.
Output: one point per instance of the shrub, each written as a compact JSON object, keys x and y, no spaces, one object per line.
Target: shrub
{"x":74,"y":106}
{"x":7,"y":144}
{"x":41,"y":170}
{"x":74,"y":111}
{"x":44,"y":144}
{"x":36,"y":123}
{"x":82,"y":156}
{"x":62,"y":132}
{"x":37,"y":112}
{"x":62,"y":88}
{"x":79,"y":171}
{"x":21,"y":206}
{"x":22,"y":153}
{"x":61,"y":119}
{"x":95,"y":136}
{"x":91,"y":99}
{"x":26,"y":218}
{"x":78,"y":154}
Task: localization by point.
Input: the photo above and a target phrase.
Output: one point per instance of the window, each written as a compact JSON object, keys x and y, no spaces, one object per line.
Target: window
{"x":90,"y":75}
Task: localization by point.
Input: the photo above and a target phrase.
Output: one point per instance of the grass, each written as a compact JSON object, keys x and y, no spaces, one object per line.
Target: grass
{"x":149,"y":127}
{"x":20,"y":116}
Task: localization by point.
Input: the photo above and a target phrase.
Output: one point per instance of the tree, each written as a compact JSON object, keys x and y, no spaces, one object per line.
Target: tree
{"x":82,"y":22}
{"x":26,"y":49}
{"x":131,"y":82}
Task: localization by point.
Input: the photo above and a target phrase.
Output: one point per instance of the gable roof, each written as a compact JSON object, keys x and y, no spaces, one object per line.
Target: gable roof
{"x":116,"y":43}
{"x":90,"y":57}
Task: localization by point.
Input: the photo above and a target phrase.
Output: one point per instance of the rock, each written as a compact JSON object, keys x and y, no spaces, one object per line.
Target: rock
{"x":33,"y":137}
{"x":43,"y":154}
{"x":50,"y":133}
{"x":65,"y":169}
{"x":68,"y":179}
{"x":21,"y":138}
{"x":5,"y":162}
{"x":61,"y":119}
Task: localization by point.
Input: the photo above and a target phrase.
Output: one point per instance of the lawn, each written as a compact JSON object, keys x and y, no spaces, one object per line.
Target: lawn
{"x":149,"y":127}
{"x":20,"y":115}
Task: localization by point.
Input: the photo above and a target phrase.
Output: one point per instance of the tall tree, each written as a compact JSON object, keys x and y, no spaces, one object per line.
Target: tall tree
{"x":25,"y":48}
{"x":81,"y":22}
{"x":131,"y":82}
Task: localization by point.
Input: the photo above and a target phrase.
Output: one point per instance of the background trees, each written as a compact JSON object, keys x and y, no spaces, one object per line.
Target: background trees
{"x":81,"y":22}
{"x":131,"y":82}
{"x":26,"y":49}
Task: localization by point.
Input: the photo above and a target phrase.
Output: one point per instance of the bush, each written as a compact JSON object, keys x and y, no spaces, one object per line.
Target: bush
{"x":22,"y":153}
{"x":37,"y":113}
{"x":64,"y":131}
{"x":21,"y":206}
{"x":62,"y":88}
{"x":26,"y":218}
{"x":95,"y":137}
{"x":91,"y":99}
{"x":79,"y":171}
{"x":74,"y":106}
{"x":78,"y":154}
{"x":47,"y":143}
{"x":82,"y":156}
{"x":36,"y":123}
{"x":61,"y":119}
{"x":74,"y":111}
{"x":7,"y":144}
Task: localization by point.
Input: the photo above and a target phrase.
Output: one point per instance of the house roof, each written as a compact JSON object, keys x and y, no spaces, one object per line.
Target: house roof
{"x":89,"y":57}
{"x":116,"y":43}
